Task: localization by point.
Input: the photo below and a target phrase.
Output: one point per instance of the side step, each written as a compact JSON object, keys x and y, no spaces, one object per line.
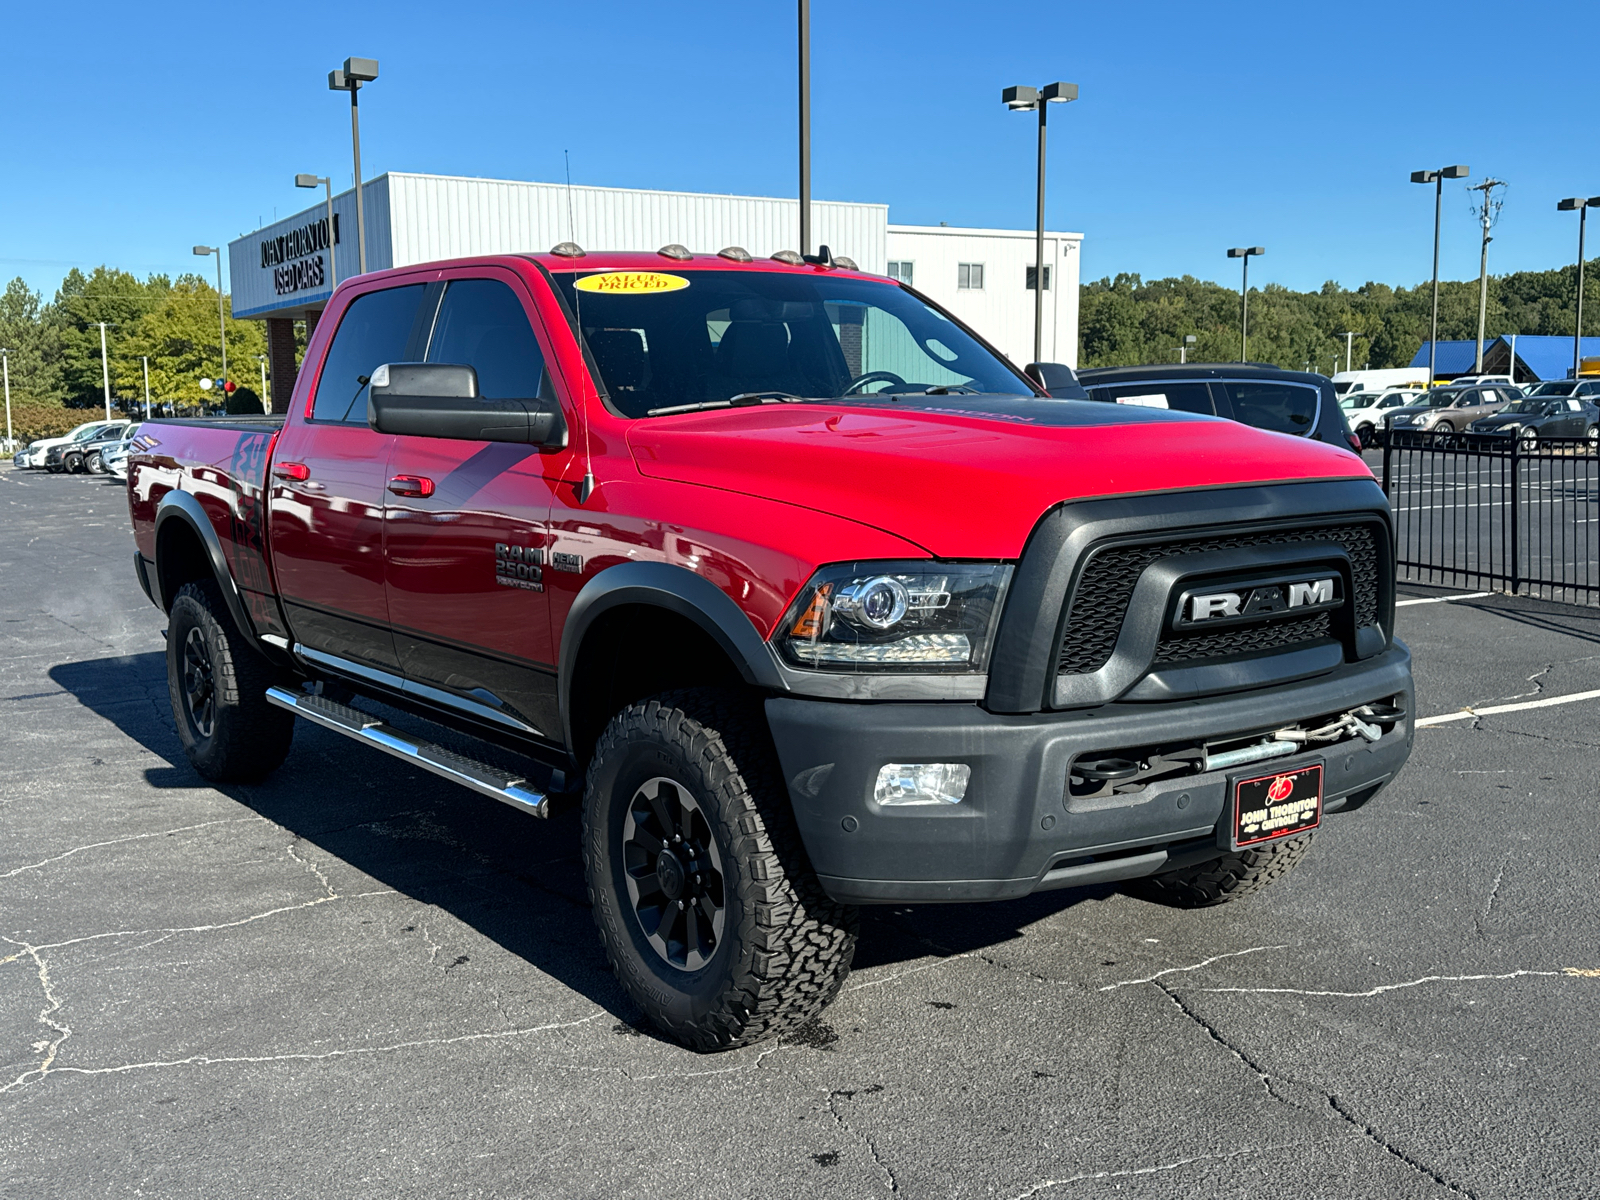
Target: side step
{"x":447,"y":764}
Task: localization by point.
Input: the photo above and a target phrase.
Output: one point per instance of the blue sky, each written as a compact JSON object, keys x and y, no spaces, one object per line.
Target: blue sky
{"x":139,"y":130}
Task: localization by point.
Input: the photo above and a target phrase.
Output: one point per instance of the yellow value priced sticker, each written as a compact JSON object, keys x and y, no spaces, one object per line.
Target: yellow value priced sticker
{"x":632,"y":283}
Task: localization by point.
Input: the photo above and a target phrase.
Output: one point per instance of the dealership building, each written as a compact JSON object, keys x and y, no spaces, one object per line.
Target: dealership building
{"x":282,"y":274}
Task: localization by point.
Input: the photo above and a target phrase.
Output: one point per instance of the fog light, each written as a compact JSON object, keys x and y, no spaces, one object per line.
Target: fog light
{"x":922,"y":783}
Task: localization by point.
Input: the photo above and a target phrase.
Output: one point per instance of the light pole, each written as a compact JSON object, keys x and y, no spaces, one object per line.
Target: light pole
{"x":311,"y":181}
{"x":355,"y":72}
{"x":145,"y":359}
{"x":222,"y":321}
{"x":805,"y":127}
{"x":1245,"y":252}
{"x":1183,"y":350}
{"x":262,"y":359}
{"x":1582,"y":206}
{"x":5,"y":366}
{"x":105,"y":368}
{"x":1436,"y":178}
{"x":1027,"y":99}
{"x":1349,"y":349}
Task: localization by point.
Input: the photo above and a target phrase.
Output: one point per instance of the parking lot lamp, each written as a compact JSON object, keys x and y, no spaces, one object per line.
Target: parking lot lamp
{"x":1183,"y":350}
{"x":1436,"y":178}
{"x":262,"y":359}
{"x":145,"y":359}
{"x":349,"y":78}
{"x":105,"y":368}
{"x":222,"y":320}
{"x":1245,"y":253}
{"x":1027,"y":99}
{"x":1582,"y":206}
{"x":311,"y":181}
{"x":1349,"y":348}
{"x":5,"y":366}
{"x":805,"y":127}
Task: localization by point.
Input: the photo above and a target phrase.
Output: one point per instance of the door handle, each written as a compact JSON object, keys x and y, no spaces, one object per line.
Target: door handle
{"x":411,"y":485}
{"x":292,"y":471}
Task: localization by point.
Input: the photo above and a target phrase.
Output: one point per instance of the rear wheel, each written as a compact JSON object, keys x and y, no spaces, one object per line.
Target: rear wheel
{"x":708,"y":908}
{"x":218,"y":685}
{"x":93,"y":463}
{"x":1225,"y":879}
{"x":1364,"y":433}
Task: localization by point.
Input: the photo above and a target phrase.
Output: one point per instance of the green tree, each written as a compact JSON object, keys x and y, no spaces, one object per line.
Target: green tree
{"x":180,"y":337}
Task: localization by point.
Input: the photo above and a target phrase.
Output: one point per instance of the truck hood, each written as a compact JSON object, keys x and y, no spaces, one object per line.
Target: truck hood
{"x":968,"y":477}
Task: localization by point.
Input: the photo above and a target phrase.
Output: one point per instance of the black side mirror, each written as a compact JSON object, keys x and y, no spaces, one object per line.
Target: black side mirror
{"x":441,"y":400}
{"x":1057,"y":379}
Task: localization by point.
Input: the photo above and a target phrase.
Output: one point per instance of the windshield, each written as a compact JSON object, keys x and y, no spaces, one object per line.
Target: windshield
{"x":1442,"y":399}
{"x":705,"y":337}
{"x":1555,"y":388}
{"x":1528,"y":405}
{"x":1358,"y":400}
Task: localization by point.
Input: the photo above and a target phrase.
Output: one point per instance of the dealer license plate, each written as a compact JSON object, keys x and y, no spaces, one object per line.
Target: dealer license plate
{"x":1280,"y":805}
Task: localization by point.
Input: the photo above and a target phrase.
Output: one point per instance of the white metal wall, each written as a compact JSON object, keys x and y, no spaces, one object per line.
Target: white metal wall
{"x":1003,"y":310}
{"x":439,"y":217}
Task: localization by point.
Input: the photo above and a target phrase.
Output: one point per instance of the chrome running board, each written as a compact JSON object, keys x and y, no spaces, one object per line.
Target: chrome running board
{"x":447,"y":764}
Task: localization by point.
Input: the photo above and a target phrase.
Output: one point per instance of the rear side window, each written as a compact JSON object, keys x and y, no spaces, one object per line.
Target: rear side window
{"x":482,"y":324}
{"x":1278,"y":407}
{"x":374,"y":330}
{"x":1180,"y":397}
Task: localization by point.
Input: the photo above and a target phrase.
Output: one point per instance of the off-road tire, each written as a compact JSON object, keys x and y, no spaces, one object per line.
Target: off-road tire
{"x":1225,"y":879}
{"x":246,"y":737}
{"x":785,"y":947}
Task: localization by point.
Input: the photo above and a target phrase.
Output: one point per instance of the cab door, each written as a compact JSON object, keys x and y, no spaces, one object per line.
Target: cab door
{"x":325,"y":497}
{"x":467,"y":521}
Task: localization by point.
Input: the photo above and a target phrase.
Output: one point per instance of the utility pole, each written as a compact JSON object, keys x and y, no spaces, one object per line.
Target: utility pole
{"x":1488,"y":212}
{"x":805,"y":127}
{"x":105,"y":368}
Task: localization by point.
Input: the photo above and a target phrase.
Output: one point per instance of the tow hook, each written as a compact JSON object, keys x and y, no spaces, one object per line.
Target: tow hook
{"x":1367,"y":721}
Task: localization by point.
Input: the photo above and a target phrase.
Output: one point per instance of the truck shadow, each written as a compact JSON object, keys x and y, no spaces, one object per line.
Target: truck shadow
{"x":516,"y":880}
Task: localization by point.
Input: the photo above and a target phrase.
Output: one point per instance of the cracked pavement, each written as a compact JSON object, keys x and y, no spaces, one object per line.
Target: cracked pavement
{"x":356,"y":980}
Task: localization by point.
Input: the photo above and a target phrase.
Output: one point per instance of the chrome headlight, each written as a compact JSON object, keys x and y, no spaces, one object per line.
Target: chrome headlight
{"x":904,"y":616}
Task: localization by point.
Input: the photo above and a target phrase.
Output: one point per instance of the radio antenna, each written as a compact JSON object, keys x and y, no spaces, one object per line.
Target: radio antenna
{"x":572,"y":224}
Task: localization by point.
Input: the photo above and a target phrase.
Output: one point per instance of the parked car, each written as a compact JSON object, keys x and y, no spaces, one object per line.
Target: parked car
{"x":1533,"y":418}
{"x":1251,"y":393}
{"x":114,"y":459}
{"x":1365,"y":411}
{"x":815,"y":597}
{"x":34,"y":454}
{"x":1465,"y":380}
{"x":1583,"y":389}
{"x":1449,"y":409}
{"x":70,"y":456}
{"x":94,"y":451}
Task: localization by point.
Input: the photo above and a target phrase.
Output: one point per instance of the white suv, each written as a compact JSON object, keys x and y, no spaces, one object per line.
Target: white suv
{"x":1366,"y":410}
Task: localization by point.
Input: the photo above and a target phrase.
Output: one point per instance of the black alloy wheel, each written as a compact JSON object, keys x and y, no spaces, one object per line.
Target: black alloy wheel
{"x":199,"y":683}
{"x":673,"y":871}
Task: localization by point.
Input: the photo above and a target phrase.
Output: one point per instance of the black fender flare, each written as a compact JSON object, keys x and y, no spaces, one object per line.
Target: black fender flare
{"x":181,"y":506}
{"x":678,"y":590}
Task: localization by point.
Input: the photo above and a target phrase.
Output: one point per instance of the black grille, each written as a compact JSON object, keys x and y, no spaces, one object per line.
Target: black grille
{"x":1100,"y":600}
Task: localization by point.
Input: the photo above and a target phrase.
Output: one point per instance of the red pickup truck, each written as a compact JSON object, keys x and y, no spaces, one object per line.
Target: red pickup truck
{"x":804,"y":592}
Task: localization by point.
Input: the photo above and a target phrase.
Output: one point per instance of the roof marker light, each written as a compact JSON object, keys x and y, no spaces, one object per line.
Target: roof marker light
{"x":567,"y":250}
{"x":735,"y":253}
{"x":789,"y":256}
{"x":673,"y":250}
{"x":848,"y":264}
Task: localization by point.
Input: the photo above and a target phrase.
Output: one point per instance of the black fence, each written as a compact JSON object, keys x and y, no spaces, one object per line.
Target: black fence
{"x":1495,"y":513}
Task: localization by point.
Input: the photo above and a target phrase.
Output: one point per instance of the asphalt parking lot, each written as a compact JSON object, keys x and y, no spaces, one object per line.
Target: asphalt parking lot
{"x":354,"y":980}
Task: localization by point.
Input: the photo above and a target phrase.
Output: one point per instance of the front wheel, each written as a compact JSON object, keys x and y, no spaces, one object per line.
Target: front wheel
{"x":94,"y":464}
{"x":1226,"y":878}
{"x":708,"y":908}
{"x":72,"y":464}
{"x":218,"y":686}
{"x":1530,"y":441}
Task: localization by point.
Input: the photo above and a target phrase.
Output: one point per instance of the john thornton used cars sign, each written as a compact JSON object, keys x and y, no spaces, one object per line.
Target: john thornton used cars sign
{"x":289,"y":254}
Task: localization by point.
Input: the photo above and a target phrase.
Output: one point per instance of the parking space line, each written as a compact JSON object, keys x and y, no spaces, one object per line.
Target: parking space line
{"x":1440,"y":599}
{"x":1467,"y":714}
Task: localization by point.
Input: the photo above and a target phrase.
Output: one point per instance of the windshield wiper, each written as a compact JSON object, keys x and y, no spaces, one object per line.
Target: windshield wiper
{"x":742,"y":400}
{"x":950,"y":389}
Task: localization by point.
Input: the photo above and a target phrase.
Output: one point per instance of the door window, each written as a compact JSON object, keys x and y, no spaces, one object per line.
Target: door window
{"x":1180,"y":397}
{"x":1279,"y":407}
{"x":374,"y":330}
{"x":482,"y":324}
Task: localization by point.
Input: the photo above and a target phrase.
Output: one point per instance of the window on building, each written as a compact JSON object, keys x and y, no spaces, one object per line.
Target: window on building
{"x":1033,"y":278}
{"x":901,"y":271}
{"x":969,"y":277}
